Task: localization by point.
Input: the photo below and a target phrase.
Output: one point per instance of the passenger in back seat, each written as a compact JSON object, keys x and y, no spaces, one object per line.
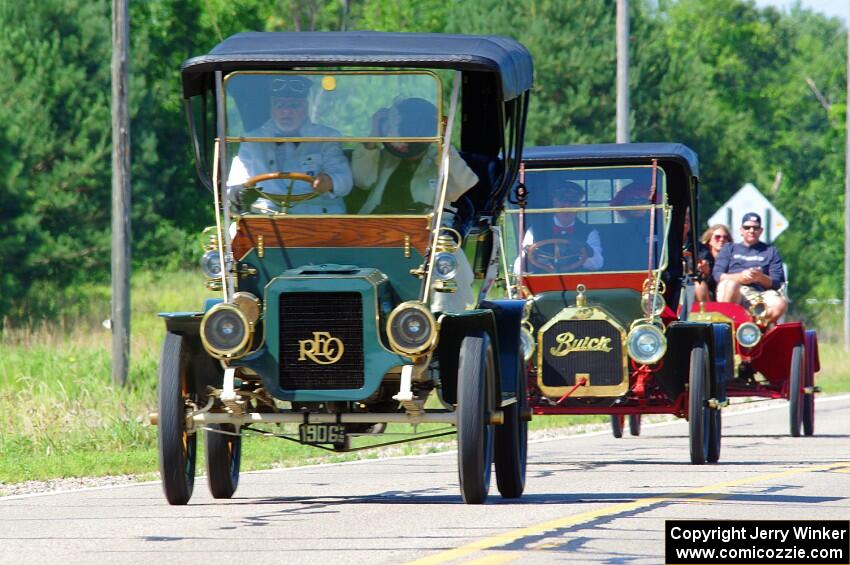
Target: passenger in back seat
{"x":633,"y":233}
{"x":402,"y":177}
{"x":751,"y":270}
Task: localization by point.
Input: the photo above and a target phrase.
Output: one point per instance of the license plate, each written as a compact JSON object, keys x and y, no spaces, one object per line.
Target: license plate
{"x":321,"y":433}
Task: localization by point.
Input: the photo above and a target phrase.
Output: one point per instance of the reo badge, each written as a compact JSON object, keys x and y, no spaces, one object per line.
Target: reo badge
{"x":568,"y":343}
{"x":323,"y":349}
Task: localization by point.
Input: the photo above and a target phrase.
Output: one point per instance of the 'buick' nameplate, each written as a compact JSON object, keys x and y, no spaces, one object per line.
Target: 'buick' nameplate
{"x":569,"y":343}
{"x":323,"y":349}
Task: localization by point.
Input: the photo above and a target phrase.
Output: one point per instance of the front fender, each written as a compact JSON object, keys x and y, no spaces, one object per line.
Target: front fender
{"x":187,"y":323}
{"x":772,"y":356}
{"x":722,"y":351}
{"x":681,"y":338}
{"x":453,"y":328}
{"x":183,"y":323}
{"x":204,"y":371}
{"x":508,"y":318}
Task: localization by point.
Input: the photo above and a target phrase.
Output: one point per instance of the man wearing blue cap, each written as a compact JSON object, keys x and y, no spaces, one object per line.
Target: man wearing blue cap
{"x":751,"y":270}
{"x":288,"y":97}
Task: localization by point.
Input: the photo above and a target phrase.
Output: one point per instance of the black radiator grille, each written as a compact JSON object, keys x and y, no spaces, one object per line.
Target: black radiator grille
{"x":604,"y":367}
{"x":312,"y":325}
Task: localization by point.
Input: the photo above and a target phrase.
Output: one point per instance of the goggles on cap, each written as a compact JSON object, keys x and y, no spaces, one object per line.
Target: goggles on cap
{"x":290,"y":85}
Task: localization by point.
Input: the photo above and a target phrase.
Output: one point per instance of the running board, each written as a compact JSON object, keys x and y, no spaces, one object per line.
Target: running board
{"x":314,"y":418}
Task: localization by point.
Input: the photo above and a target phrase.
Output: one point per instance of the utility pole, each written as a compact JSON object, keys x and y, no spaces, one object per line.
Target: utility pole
{"x":120,"y":194}
{"x":346,"y":9}
{"x":847,"y":209}
{"x":622,"y":71}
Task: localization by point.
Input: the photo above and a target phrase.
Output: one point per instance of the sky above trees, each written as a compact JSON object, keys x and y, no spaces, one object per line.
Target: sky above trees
{"x":833,"y":8}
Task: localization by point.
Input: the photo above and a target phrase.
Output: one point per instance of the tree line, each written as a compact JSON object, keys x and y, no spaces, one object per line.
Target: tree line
{"x":755,"y":92}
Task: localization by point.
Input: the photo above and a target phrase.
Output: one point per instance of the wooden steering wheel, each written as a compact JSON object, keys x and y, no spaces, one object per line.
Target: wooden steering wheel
{"x":285,"y":201}
{"x":557,"y":255}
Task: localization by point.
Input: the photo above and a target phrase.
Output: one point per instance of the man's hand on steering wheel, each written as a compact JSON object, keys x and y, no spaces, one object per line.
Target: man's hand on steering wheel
{"x":558,"y":255}
{"x":320,"y":184}
{"x":323,"y":183}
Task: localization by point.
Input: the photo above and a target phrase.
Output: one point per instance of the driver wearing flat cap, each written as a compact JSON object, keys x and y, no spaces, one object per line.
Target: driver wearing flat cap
{"x":325,"y":161}
{"x":582,"y":248}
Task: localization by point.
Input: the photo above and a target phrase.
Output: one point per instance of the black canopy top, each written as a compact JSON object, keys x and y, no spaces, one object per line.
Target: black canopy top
{"x":613,"y":154}
{"x":280,"y":50}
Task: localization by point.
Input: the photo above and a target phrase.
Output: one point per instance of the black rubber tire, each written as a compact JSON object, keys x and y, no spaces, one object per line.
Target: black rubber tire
{"x":511,"y":443}
{"x":715,"y":433}
{"x":809,"y":400}
{"x":343,"y":447}
{"x":699,"y":419}
{"x":224,"y":454}
{"x":617,"y":424}
{"x":795,"y":392}
{"x":634,"y":424}
{"x":474,"y":404}
{"x":177,"y":447}
{"x":808,"y":415}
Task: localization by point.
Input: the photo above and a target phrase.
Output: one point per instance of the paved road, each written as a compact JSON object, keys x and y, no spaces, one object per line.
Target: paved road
{"x":590,"y":499}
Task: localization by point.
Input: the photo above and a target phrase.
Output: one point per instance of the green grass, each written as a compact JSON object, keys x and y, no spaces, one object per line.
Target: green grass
{"x":834,"y":375}
{"x":60,"y":416}
{"x":59,"y":412}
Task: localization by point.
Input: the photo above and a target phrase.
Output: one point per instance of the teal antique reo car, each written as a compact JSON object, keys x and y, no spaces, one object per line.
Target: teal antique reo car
{"x":357,"y":179}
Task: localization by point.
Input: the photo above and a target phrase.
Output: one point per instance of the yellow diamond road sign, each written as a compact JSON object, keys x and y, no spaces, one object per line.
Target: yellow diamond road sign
{"x":749,"y":199}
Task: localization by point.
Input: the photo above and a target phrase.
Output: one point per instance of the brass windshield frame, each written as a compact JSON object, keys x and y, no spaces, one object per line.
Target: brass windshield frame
{"x":663,"y":206}
{"x":362,"y":139}
{"x":443,"y":130}
{"x":438,"y":140}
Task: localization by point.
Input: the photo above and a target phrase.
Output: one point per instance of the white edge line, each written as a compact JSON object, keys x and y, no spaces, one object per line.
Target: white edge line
{"x":772,"y":406}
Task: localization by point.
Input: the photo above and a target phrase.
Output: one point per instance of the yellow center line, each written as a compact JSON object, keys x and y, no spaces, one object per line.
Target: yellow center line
{"x":567,"y":521}
{"x":495,"y":559}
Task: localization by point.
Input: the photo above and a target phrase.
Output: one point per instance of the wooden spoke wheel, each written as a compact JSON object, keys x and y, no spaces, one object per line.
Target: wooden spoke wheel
{"x":224,"y":454}
{"x":634,"y":424}
{"x":474,"y":406}
{"x":511,"y":442}
{"x":714,"y":435}
{"x":177,"y":445}
{"x":795,"y":390}
{"x":699,"y":419}
{"x":617,"y":423}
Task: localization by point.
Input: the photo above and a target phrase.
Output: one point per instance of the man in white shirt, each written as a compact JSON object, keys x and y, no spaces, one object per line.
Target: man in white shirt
{"x":324,"y":161}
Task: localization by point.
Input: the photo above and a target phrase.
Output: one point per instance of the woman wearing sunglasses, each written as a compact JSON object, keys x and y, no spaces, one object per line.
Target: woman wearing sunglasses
{"x":713,"y":239}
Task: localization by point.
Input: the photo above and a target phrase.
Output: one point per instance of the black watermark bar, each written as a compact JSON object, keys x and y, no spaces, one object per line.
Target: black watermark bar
{"x":762,"y":542}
